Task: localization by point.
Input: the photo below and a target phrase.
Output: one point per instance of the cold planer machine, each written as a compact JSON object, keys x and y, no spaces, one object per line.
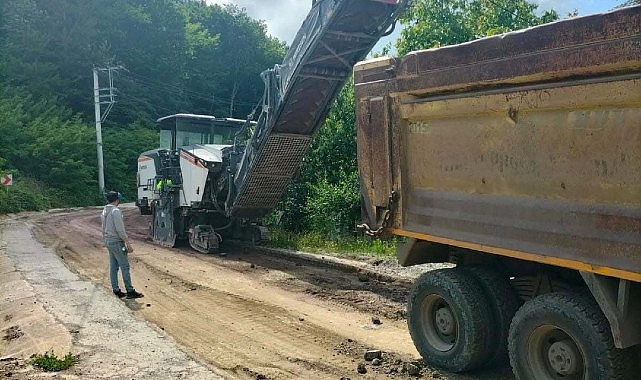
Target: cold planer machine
{"x":215,"y":177}
{"x":184,"y":184}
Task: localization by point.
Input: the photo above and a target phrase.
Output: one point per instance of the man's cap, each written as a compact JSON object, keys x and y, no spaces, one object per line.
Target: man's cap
{"x":112,"y":196}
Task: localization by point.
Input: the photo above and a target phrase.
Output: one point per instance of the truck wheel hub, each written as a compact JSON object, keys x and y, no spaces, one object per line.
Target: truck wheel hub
{"x":445,"y":321}
{"x":563,"y":357}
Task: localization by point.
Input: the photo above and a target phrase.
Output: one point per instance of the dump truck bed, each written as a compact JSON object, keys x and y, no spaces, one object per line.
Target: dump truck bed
{"x":526,"y":144}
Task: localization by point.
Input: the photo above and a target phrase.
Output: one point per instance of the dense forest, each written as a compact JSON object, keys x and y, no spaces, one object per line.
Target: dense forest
{"x":177,"y":56}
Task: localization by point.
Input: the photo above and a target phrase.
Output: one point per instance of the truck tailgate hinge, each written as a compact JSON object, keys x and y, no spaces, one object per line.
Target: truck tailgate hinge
{"x":384,"y":220}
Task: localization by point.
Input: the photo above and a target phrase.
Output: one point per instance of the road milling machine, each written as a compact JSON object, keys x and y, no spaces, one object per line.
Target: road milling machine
{"x":215,"y":177}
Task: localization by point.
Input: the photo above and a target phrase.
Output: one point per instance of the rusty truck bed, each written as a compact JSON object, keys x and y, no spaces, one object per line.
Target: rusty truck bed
{"x":526,"y":144}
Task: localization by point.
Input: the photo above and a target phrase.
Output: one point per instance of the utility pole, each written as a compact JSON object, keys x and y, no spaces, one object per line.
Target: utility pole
{"x":102,"y":96}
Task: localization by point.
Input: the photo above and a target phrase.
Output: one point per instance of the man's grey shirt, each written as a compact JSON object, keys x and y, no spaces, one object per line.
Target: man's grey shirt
{"x":113,"y":226}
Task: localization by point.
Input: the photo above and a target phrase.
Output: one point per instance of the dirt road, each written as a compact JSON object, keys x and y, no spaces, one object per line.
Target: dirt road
{"x":251,"y":314}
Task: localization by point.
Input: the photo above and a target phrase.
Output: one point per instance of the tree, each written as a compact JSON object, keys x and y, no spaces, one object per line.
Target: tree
{"x":49,"y":47}
{"x":49,"y":144}
{"x":148,"y":38}
{"x":179,"y":55}
{"x":129,"y":142}
{"x":229,"y":72}
{"x":325,"y":198}
{"x":435,"y":23}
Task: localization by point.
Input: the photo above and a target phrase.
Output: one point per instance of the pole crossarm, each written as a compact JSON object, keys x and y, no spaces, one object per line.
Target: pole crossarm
{"x":106,"y":95}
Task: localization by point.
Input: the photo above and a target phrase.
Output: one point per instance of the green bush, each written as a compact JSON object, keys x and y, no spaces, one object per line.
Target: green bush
{"x":325,"y":197}
{"x":24,"y":194}
{"x":333,"y":209}
{"x":348,"y":246}
{"x":51,"y":363}
{"x":28,"y":194}
{"x":56,"y":148}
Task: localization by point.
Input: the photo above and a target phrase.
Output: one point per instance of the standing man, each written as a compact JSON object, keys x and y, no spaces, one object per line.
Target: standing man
{"x":113,"y":232}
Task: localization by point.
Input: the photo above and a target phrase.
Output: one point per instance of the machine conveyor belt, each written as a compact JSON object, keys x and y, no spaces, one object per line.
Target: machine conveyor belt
{"x":298,"y":94}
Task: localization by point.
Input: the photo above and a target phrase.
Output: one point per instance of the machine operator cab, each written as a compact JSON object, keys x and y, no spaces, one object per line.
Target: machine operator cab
{"x":179,"y":130}
{"x":190,"y":146}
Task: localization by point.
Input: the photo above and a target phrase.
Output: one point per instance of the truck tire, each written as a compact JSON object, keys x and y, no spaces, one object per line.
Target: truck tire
{"x":565,"y":335}
{"x":449,"y":320}
{"x":503,"y":303}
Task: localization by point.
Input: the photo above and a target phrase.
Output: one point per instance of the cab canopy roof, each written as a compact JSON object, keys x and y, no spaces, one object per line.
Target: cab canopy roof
{"x":183,"y":129}
{"x":169,"y":122}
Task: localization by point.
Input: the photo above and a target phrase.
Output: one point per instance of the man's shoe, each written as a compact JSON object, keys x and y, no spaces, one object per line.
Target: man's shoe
{"x":120,"y":294}
{"x":134,"y":294}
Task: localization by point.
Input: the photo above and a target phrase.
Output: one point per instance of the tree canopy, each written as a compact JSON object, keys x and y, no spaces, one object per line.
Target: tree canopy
{"x":435,"y":23}
{"x":177,"y":56}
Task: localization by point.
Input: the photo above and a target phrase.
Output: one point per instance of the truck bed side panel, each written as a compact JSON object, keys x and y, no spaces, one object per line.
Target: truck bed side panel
{"x":500,"y":155}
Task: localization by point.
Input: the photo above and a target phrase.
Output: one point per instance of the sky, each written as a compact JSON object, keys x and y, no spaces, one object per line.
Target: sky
{"x":284,"y":17}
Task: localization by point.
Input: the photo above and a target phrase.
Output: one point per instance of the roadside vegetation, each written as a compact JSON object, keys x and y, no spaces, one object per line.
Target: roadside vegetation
{"x":176,"y":56}
{"x":49,"y":362}
{"x":345,"y":246}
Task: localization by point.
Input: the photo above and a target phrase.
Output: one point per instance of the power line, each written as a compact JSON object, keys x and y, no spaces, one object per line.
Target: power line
{"x":175,"y":90}
{"x":140,"y":102}
{"x":167,"y":87}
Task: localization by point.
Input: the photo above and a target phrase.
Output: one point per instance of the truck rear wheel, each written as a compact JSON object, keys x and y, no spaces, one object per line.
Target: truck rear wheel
{"x":564,"y":336}
{"x":449,"y":320}
{"x":503,"y":303}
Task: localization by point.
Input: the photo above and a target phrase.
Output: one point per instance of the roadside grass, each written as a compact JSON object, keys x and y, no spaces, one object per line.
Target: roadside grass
{"x":344,"y":246}
{"x":51,"y":363}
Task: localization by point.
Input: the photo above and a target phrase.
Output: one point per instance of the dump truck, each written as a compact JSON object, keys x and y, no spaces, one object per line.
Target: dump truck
{"x":214,"y":178}
{"x":516,"y":158}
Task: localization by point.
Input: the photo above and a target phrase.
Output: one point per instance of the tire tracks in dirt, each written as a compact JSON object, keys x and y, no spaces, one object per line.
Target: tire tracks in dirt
{"x":254,"y":314}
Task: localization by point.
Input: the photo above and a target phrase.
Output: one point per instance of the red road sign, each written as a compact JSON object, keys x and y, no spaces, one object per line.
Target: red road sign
{"x":6,"y":180}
